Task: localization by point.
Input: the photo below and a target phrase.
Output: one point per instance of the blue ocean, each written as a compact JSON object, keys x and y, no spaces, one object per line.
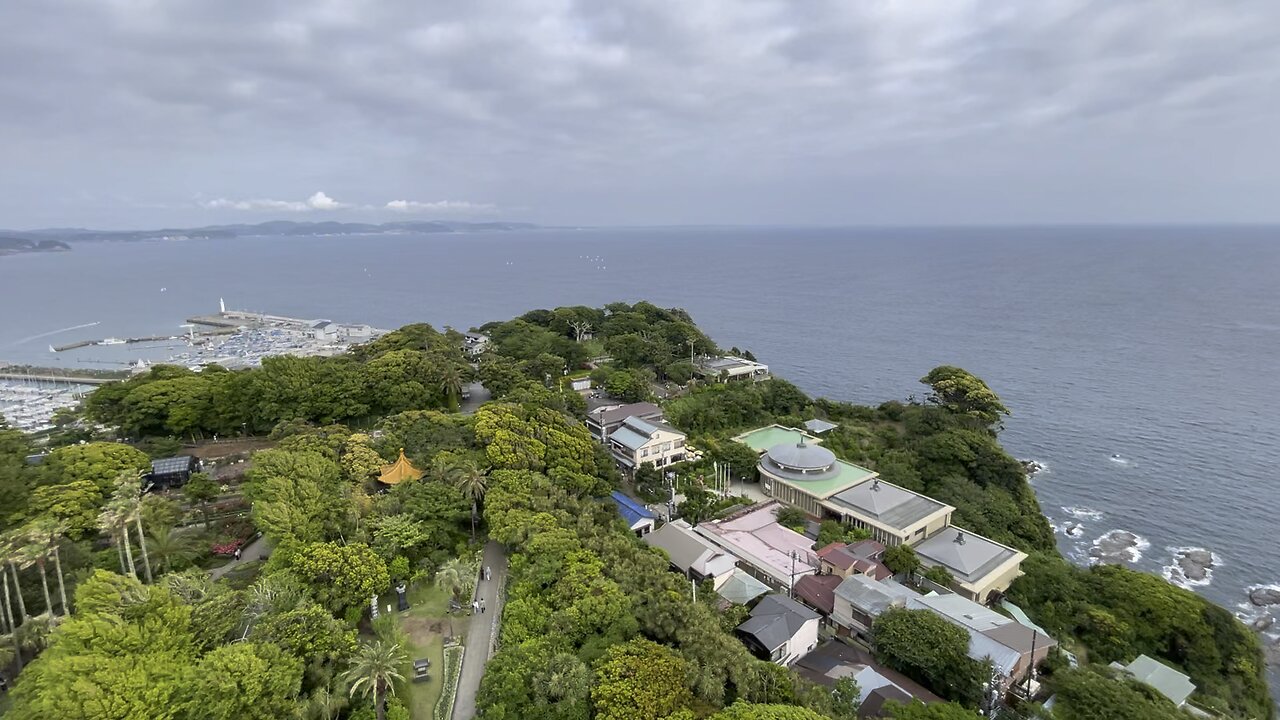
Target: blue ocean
{"x":1142,"y":364}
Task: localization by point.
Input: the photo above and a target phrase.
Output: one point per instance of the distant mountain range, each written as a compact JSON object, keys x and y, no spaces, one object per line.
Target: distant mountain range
{"x":15,"y":241}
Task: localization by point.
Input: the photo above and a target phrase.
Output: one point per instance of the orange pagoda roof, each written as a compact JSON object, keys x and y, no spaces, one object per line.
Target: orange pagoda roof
{"x":399,"y":471}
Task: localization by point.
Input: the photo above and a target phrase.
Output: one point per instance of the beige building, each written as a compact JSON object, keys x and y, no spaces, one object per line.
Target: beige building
{"x":977,"y":565}
{"x":637,"y":441}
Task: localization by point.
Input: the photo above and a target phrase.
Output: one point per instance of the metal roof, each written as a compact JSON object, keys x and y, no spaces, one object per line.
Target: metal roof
{"x":1168,"y":682}
{"x":631,"y":511}
{"x":628,"y":438}
{"x":887,"y":503}
{"x":741,"y":588}
{"x":617,"y":413}
{"x":688,"y":550}
{"x":802,"y":456}
{"x":871,"y":596}
{"x":817,"y":426}
{"x":966,"y":555}
{"x":167,"y":466}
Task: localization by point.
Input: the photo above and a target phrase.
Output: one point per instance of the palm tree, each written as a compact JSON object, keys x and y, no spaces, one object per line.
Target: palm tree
{"x":451,"y":577}
{"x":451,"y":384}
{"x":12,"y":550}
{"x":128,"y":499}
{"x":169,"y":547}
{"x":35,"y":552}
{"x":375,"y":669}
{"x":471,"y":480}
{"x":112,"y":521}
{"x":46,"y":532}
{"x":8,"y":615}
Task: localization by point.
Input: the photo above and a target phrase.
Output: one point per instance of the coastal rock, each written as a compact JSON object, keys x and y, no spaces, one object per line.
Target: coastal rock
{"x":1264,"y":596}
{"x":1195,"y":564}
{"x":1031,"y":467}
{"x":1263,"y":623}
{"x":1117,"y":547}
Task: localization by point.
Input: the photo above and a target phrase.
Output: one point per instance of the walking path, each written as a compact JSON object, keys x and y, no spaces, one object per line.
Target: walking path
{"x":253,"y":551}
{"x":482,"y":635}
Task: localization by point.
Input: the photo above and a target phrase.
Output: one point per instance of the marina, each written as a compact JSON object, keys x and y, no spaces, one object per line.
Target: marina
{"x":29,"y":398}
{"x":29,"y":403}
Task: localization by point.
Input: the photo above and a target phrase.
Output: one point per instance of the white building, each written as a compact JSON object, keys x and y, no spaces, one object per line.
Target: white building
{"x":731,"y":369}
{"x":780,"y":630}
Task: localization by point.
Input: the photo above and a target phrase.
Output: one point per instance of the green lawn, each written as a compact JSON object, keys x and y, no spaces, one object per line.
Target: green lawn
{"x":426,"y":624}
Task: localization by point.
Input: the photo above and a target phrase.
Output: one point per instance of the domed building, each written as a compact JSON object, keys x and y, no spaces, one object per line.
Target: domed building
{"x":795,"y":468}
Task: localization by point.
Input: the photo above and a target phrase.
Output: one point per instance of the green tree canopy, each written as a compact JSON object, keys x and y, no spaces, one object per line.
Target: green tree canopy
{"x":640,"y":680}
{"x":931,"y":650}
{"x":965,"y":393}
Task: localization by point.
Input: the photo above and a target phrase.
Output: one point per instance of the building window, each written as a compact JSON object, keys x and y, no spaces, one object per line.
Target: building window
{"x":666,"y":447}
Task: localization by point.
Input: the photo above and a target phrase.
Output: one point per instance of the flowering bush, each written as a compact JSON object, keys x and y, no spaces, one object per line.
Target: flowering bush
{"x":227,"y":548}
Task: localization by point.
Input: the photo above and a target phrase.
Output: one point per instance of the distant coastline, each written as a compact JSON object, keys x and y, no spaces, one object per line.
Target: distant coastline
{"x":16,"y":245}
{"x":62,"y":239}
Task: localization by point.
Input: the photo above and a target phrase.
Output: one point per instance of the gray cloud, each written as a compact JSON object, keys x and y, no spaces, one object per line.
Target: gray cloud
{"x":640,"y":111}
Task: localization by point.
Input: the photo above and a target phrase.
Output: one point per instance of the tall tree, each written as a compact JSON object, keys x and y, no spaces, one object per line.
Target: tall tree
{"x":375,"y":670}
{"x":473,"y":483}
{"x":200,"y":490}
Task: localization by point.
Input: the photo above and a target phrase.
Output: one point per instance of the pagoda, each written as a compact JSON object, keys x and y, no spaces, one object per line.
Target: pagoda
{"x":399,"y":471}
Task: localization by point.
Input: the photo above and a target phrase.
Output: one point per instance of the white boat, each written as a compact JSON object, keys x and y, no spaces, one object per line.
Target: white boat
{"x":111,"y":341}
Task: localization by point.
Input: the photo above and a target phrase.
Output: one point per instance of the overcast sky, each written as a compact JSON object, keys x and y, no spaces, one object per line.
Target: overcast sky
{"x":142,"y":113}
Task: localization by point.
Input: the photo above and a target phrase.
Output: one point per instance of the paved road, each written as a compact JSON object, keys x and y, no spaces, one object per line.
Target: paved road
{"x":479,"y":396}
{"x":253,"y":551}
{"x":482,"y":635}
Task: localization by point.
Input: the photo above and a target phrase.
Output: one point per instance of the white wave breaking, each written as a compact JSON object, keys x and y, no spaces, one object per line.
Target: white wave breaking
{"x":1082,"y":513}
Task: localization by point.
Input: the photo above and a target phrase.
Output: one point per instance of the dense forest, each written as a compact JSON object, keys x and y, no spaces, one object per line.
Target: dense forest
{"x":110,"y":612}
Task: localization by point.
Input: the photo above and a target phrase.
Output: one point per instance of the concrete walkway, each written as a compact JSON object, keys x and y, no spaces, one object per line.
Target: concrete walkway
{"x":482,"y":634}
{"x":255,"y":550}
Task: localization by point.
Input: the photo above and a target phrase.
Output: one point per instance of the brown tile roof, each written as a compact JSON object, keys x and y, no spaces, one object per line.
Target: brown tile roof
{"x":818,"y":591}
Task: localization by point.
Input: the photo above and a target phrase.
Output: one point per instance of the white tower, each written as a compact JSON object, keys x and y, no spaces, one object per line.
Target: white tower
{"x":222,"y":306}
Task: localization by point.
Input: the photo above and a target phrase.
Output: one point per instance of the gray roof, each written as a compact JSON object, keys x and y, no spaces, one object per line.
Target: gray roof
{"x":617,"y":414}
{"x":741,"y":588}
{"x":628,"y":438}
{"x":817,"y":427}
{"x":776,"y":619}
{"x":872,"y":596}
{"x":802,"y":456}
{"x":179,"y":464}
{"x":796,"y":461}
{"x":687,"y":549}
{"x":968,"y":556}
{"x":1168,"y":682}
{"x":887,"y":503}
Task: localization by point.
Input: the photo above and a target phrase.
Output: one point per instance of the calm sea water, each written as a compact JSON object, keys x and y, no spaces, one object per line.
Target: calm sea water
{"x":1142,"y":364}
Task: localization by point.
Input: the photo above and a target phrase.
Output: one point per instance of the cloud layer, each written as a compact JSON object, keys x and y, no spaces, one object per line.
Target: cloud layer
{"x":642,"y":111}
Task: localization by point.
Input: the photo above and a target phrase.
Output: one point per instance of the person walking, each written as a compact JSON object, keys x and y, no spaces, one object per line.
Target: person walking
{"x":482,"y":606}
{"x":237,"y":553}
{"x":475,"y":607}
